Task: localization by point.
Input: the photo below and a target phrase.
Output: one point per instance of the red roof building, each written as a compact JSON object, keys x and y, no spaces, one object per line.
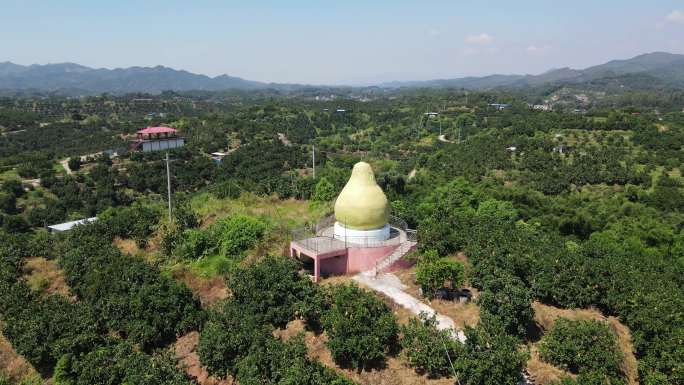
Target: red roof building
{"x":158,"y":131}
{"x":157,"y":138}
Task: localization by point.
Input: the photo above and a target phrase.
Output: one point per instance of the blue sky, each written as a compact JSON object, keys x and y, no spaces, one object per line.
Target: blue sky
{"x":339,"y":42}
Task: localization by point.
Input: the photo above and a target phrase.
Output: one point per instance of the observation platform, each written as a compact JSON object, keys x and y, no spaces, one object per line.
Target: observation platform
{"x":335,"y":255}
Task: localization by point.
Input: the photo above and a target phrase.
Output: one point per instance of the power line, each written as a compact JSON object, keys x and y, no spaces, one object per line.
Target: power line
{"x":453,"y":370}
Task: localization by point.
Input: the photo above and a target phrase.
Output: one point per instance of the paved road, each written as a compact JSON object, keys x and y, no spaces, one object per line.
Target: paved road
{"x":390,"y":285}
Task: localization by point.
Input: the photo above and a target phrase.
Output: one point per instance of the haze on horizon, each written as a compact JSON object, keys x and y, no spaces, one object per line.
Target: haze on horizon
{"x":339,"y":42}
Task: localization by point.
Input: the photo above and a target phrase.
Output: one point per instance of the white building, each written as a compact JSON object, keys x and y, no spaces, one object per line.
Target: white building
{"x":66,"y":226}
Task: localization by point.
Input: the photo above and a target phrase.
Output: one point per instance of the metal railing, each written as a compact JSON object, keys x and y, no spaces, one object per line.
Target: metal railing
{"x":321,"y":236}
{"x":388,"y":261}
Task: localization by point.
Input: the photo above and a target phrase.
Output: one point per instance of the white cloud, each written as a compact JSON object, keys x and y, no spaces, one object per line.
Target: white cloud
{"x":675,"y":16}
{"x":481,"y":39}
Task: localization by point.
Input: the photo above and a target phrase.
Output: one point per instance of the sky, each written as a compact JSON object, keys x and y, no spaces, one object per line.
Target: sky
{"x":351,"y":42}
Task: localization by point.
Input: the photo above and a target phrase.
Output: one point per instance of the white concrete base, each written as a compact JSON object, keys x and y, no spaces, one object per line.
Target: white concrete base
{"x":362,"y":237}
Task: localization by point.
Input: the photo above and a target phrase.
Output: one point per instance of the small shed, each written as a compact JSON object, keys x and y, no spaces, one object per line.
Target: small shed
{"x":218,"y":156}
{"x":66,"y":226}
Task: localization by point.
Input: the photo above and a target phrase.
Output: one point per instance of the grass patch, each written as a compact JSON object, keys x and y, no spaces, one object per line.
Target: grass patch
{"x":45,"y":276}
{"x":8,"y":175}
{"x":281,"y":217}
{"x":290,"y":212}
{"x":213,"y":265}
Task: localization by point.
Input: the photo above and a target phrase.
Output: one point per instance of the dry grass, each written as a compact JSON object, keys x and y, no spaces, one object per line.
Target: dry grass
{"x":185,"y":350}
{"x":45,"y":276}
{"x":209,"y":290}
{"x":629,"y":364}
{"x":541,"y":372}
{"x":462,"y":313}
{"x":395,"y":371}
{"x":12,"y":364}
{"x":545,"y":316}
{"x":126,"y":246}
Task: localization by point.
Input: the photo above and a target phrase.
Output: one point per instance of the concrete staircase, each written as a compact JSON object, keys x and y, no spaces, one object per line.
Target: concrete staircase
{"x":386,"y":262}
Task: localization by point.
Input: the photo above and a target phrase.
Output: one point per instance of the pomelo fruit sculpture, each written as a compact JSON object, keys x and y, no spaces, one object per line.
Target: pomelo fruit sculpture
{"x":361,"y":209}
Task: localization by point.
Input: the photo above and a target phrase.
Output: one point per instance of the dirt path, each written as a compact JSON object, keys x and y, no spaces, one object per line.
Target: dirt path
{"x":65,"y":164}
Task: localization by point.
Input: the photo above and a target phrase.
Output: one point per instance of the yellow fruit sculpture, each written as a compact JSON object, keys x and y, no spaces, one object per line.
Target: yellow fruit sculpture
{"x":362,"y":205}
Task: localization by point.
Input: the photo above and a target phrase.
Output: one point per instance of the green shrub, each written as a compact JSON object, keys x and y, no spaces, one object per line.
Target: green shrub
{"x":128,"y":294}
{"x":426,"y":347}
{"x":582,"y":347}
{"x":137,"y":222}
{"x":324,"y":191}
{"x":195,"y":244}
{"x":8,"y":203}
{"x":361,"y":329}
{"x":271,"y":289}
{"x":184,"y":216}
{"x":278,"y":362}
{"x":119,"y":364}
{"x":508,"y":302}
{"x":74,"y":164}
{"x":237,"y":234}
{"x":432,"y":274}
{"x":490,"y":357}
{"x":227,"y":337}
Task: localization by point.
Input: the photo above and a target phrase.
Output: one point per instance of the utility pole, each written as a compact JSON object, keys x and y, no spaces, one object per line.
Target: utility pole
{"x":168,"y":185}
{"x":313,"y":159}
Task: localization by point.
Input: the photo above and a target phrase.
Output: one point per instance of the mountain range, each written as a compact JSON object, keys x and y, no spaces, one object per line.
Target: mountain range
{"x":661,"y":68}
{"x":658,"y":69}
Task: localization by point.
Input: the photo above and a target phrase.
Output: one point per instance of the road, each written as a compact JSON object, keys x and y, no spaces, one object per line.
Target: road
{"x":65,"y":164}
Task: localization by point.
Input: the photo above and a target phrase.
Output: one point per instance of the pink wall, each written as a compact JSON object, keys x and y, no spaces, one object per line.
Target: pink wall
{"x":334,"y":265}
{"x":362,"y":259}
{"x":357,"y":259}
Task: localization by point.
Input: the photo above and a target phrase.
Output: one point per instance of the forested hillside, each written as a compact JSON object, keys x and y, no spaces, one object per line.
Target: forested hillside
{"x":574,"y":210}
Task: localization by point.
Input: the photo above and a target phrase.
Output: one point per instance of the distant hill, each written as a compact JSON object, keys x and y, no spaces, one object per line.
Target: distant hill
{"x":74,"y":78}
{"x":648,"y":71}
{"x":666,"y":68}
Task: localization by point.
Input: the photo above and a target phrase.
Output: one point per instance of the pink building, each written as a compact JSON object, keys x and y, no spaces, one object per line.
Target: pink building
{"x":326,"y":254}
